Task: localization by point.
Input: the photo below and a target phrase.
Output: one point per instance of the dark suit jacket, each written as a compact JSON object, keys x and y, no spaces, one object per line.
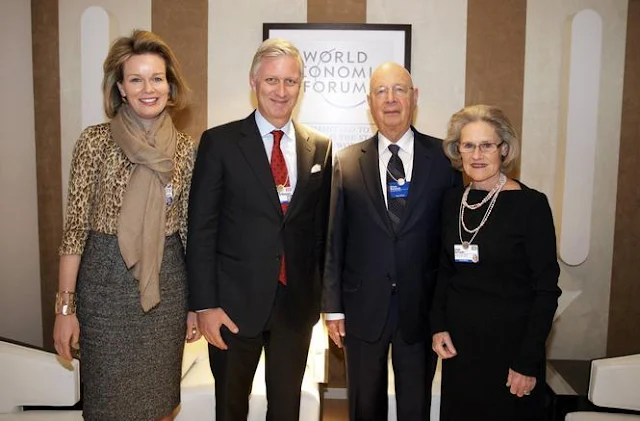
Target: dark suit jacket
{"x":364,"y":254}
{"x":238,"y":233}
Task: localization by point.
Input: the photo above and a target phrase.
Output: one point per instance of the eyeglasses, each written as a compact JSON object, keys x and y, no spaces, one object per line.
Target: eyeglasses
{"x":485,"y":147}
{"x":399,"y":91}
{"x":289,"y":82}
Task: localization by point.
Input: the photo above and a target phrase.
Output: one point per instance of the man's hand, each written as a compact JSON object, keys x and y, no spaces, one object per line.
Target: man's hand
{"x":336,"y":331}
{"x":443,"y":345}
{"x":210,"y":321}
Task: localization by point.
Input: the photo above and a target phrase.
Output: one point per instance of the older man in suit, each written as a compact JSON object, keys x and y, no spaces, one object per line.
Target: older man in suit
{"x":383,"y":248}
{"x":257,"y":220}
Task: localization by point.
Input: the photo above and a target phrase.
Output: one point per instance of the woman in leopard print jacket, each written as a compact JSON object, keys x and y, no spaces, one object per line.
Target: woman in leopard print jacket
{"x":122,"y":252}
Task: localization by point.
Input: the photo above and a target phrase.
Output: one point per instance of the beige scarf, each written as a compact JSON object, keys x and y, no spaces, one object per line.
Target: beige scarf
{"x":141,"y":225}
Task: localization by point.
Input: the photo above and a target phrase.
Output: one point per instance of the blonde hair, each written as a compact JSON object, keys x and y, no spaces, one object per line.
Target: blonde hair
{"x":140,"y":42}
{"x":489,"y":114}
{"x":275,"y":47}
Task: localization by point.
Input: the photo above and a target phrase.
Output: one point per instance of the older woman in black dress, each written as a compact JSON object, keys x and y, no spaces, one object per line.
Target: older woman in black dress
{"x":497,"y":288}
{"x":122,"y":252}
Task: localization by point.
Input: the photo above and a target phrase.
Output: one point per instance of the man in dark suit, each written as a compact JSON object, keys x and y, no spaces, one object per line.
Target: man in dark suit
{"x":257,"y":225}
{"x":383,"y":247}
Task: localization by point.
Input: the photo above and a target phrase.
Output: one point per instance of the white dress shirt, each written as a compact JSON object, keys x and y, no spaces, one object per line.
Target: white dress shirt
{"x":287,"y":145}
{"x":405,"y":153}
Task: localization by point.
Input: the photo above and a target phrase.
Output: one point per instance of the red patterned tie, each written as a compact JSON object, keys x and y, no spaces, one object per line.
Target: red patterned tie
{"x":281,"y":178}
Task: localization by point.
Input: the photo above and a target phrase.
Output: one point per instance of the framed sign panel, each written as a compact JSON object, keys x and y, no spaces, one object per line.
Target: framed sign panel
{"x":338,"y":62}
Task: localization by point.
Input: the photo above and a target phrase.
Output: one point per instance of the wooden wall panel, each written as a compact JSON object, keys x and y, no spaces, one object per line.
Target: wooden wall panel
{"x":46,"y":89}
{"x":336,"y":11}
{"x":624,"y":310}
{"x":184,"y":26}
{"x":496,"y":31}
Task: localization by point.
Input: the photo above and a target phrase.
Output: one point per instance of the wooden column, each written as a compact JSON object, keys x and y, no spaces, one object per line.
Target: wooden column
{"x":496,"y":32}
{"x":624,"y":310}
{"x":184,"y":26}
{"x":336,"y":11}
{"x":46,"y":91}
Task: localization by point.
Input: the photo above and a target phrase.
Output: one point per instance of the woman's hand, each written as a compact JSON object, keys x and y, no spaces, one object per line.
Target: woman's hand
{"x":443,"y":345}
{"x":193,"y":333}
{"x":66,"y":334}
{"x":519,"y":384}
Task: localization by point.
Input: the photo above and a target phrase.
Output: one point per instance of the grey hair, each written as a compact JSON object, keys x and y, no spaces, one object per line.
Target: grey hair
{"x":489,"y":114}
{"x":275,"y":47}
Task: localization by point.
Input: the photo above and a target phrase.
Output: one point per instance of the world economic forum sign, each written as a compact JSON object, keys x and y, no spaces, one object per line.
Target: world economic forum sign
{"x":338,"y":62}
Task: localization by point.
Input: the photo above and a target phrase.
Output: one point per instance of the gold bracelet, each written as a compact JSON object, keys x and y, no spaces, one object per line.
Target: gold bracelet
{"x":65,"y":303}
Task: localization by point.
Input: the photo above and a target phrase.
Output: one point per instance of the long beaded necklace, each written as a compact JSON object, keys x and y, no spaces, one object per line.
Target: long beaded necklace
{"x":492,"y":196}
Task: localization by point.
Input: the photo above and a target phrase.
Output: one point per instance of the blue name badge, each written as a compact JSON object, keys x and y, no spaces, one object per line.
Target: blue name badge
{"x":397,"y":191}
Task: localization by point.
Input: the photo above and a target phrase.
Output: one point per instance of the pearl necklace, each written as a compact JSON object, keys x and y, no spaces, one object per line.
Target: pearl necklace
{"x":501,"y":181}
{"x":492,"y":196}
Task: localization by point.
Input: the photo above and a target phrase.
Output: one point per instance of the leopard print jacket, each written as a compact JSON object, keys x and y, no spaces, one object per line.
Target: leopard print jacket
{"x":99,"y":174}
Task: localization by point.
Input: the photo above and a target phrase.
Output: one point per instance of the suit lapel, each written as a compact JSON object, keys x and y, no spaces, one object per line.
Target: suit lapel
{"x":305,"y":149}
{"x":252,"y":148}
{"x":419,"y":177}
{"x":369,"y":166}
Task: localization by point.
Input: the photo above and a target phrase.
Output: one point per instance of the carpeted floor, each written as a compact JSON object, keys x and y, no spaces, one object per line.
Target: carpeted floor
{"x":335,"y":410}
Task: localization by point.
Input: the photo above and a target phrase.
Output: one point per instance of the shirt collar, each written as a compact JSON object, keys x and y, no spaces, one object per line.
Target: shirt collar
{"x":264,"y":127}
{"x":405,"y":142}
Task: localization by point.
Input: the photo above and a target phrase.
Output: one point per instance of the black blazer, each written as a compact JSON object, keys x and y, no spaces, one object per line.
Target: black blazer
{"x":238,"y":233}
{"x":364,"y":255}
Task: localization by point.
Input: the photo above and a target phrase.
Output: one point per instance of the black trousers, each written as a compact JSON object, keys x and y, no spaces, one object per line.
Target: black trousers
{"x":367,"y":374}
{"x":286,"y":351}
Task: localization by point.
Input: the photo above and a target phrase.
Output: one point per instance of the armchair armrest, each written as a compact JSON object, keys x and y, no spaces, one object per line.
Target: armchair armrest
{"x":317,"y":360}
{"x":615,"y":382}
{"x":35,"y":377}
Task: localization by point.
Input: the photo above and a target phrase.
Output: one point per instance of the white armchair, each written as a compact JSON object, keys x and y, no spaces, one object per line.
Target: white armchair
{"x":31,"y":377}
{"x":614,"y":383}
{"x":197,"y":387}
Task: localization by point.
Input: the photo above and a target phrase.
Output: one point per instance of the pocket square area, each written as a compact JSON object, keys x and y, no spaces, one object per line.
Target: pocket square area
{"x":316,"y":168}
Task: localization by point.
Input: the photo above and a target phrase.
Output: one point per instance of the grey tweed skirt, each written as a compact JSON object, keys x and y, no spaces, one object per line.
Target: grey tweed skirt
{"x":130,"y":361}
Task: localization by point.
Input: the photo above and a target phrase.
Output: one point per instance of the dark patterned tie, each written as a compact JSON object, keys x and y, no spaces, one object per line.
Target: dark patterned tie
{"x":395,"y":172}
{"x":281,"y":179}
